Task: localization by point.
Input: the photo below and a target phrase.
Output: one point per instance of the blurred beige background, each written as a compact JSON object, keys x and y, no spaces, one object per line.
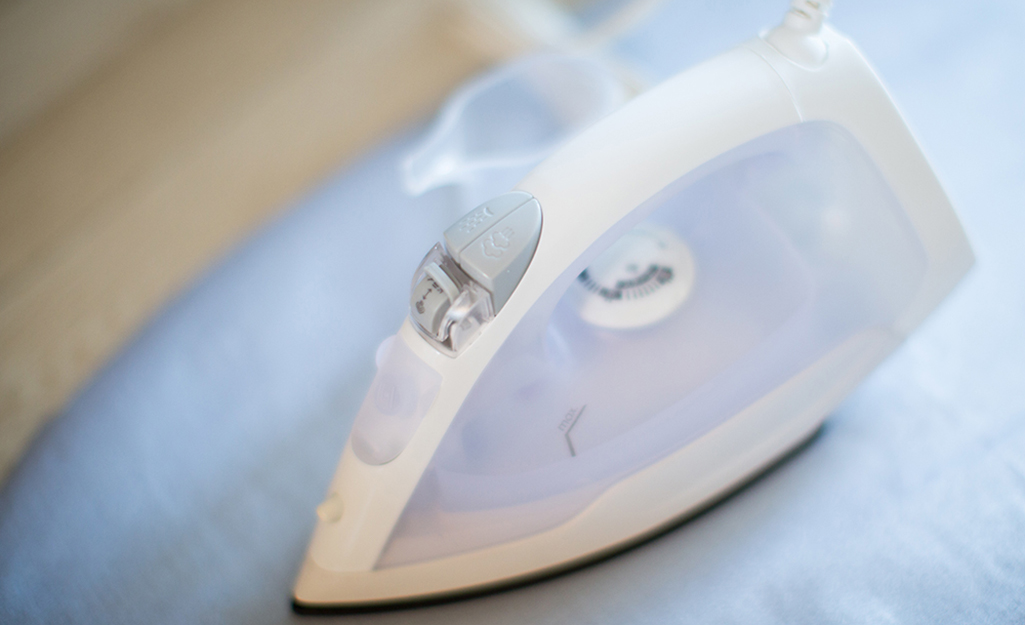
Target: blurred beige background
{"x":141,"y":139}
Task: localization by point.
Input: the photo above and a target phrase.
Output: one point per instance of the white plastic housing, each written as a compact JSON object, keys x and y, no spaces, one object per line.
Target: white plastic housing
{"x":798,"y":246}
{"x":820,"y":237}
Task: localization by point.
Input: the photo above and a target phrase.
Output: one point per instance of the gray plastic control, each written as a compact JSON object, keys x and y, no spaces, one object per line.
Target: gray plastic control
{"x":494,"y":243}
{"x":474,"y":223}
{"x":432,"y":296}
{"x":448,"y":307}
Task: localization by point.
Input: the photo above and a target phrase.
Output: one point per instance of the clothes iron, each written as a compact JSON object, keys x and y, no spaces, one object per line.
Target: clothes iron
{"x":661,"y":309}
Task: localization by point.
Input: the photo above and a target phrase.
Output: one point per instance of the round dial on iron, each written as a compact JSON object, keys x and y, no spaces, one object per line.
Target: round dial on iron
{"x":641,"y":279}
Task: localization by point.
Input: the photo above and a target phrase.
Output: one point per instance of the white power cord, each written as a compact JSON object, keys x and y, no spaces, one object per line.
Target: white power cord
{"x":798,"y":37}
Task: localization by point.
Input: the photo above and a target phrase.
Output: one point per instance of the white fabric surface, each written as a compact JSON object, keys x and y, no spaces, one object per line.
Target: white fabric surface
{"x":180,"y":485}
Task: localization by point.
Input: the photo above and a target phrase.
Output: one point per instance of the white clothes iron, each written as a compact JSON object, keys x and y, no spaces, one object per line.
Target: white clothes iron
{"x":660,"y":310}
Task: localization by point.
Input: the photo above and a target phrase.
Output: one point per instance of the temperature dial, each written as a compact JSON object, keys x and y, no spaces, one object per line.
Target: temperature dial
{"x":642,"y":279}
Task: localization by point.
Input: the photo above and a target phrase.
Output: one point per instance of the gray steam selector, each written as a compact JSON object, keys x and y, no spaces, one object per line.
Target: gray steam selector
{"x":458,"y":289}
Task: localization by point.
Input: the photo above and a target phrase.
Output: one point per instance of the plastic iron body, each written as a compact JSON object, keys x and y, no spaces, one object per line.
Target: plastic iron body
{"x":664,"y":307}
